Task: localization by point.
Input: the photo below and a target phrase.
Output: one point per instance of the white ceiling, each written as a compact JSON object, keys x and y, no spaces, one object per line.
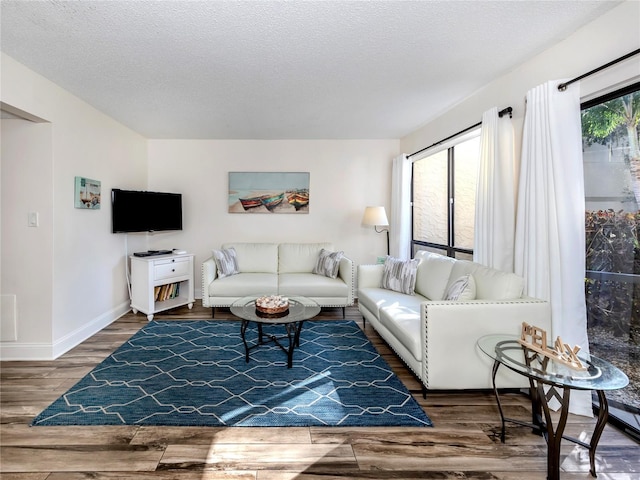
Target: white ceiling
{"x":281,"y":69}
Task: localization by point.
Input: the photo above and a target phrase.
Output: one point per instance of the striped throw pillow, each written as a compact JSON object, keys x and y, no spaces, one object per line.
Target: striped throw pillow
{"x":464,"y":288}
{"x":226,"y":262}
{"x":400,"y":275}
{"x":328,"y":263}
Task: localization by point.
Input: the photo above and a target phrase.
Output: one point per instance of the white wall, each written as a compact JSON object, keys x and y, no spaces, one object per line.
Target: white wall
{"x":88,"y":287}
{"x":27,"y":253}
{"x":345,"y":176}
{"x":610,"y":36}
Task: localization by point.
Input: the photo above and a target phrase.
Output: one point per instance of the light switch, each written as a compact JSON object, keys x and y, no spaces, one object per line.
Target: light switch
{"x":33,"y":219}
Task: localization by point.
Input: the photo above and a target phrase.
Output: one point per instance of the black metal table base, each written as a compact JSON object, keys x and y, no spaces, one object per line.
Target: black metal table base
{"x":544,"y":425}
{"x":293,"y":336}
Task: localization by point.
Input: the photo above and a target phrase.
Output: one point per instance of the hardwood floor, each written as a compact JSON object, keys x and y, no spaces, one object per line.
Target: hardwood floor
{"x":463,"y":444}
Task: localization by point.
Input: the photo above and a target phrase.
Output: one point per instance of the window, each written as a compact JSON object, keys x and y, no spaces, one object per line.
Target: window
{"x":611,"y":158}
{"x":444,"y":196}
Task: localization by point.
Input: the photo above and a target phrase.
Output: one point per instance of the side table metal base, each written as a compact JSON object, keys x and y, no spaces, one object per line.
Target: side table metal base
{"x":544,"y":425}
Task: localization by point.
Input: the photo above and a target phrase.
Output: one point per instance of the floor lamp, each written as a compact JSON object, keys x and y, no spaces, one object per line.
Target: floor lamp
{"x":377,"y":217}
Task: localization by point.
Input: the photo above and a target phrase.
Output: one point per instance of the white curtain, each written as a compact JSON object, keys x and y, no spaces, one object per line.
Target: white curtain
{"x":400,"y":222}
{"x":550,"y":237}
{"x":495,"y":194}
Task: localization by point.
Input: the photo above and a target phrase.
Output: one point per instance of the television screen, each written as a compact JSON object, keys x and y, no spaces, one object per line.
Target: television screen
{"x":138,"y":211}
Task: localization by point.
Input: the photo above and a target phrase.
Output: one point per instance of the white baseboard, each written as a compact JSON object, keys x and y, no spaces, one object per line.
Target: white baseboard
{"x":46,"y":351}
{"x":75,"y":338}
{"x":25,"y":351}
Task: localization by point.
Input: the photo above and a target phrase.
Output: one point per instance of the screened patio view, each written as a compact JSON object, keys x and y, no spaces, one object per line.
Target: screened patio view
{"x":612,"y":225}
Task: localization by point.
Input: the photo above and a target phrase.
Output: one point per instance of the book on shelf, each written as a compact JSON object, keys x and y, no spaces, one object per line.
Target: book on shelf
{"x":166,"y":292}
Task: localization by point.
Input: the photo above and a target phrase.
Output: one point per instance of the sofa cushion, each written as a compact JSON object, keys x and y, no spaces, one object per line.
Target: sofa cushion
{"x":400,"y":275}
{"x":491,"y":284}
{"x":403,"y":321}
{"x":244,"y":284}
{"x":464,"y":288}
{"x":433,"y":274}
{"x":372,"y":298}
{"x":311,"y":285}
{"x":226,"y":262}
{"x":376,"y":298}
{"x":299,"y":257}
{"x":328,"y":263}
{"x":256,"y":257}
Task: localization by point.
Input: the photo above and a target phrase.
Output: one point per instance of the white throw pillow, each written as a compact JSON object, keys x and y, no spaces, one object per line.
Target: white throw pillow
{"x":328,"y":263}
{"x":400,"y":275}
{"x":226,"y":261}
{"x":464,"y":288}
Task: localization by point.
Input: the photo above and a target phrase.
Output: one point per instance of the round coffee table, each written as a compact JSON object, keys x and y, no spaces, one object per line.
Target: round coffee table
{"x":300,"y":309}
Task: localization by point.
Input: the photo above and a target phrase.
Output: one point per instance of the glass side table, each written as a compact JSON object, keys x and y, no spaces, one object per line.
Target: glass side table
{"x":560,"y":379}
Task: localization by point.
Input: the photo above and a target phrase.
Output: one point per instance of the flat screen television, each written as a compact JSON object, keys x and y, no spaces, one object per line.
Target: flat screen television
{"x":140,"y":211}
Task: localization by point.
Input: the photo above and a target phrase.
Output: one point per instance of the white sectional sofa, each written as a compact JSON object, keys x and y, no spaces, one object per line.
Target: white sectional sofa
{"x":284,"y":269}
{"x":437,"y":338}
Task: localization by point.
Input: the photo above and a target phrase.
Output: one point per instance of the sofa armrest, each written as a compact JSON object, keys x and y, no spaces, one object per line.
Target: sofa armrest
{"x":370,"y":276}
{"x":346,"y":273}
{"x":209,"y":274}
{"x":450,"y":330}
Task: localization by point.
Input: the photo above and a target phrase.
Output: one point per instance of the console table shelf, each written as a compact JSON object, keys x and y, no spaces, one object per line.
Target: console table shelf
{"x":147,"y":273}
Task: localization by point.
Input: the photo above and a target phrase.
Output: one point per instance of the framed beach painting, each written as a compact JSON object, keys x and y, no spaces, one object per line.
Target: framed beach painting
{"x":268,"y":192}
{"x":86,"y":193}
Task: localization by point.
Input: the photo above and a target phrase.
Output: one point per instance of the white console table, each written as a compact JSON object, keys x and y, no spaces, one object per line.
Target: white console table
{"x":161,"y":282}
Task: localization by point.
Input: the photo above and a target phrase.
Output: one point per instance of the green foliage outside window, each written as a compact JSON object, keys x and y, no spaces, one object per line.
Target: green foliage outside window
{"x":612,"y":284}
{"x":613,"y":245}
{"x":613,"y":237}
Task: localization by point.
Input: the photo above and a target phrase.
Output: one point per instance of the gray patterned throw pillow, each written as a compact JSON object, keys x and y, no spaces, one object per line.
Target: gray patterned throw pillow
{"x":226,"y":262}
{"x":400,"y":275}
{"x":328,"y":263}
{"x":464,"y":288}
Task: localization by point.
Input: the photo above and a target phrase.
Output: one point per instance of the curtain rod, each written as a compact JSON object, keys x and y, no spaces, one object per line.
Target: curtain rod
{"x":501,"y":113}
{"x":563,"y":86}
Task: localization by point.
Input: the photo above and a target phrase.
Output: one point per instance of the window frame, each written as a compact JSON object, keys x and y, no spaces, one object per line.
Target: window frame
{"x":450,"y":145}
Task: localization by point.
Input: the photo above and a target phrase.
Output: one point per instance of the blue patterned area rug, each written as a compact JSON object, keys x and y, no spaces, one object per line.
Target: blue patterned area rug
{"x":194,"y":373}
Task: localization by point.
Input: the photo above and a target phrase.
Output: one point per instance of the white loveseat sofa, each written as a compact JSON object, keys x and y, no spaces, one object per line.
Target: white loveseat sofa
{"x":437,"y":338}
{"x":284,"y":269}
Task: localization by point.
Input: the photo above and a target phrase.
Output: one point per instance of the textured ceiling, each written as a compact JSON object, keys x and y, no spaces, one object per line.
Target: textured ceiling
{"x":275,"y":69}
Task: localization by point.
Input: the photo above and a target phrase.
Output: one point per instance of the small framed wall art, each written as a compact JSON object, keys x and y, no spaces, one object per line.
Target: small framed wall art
{"x":268,"y":192}
{"x":86,"y":193}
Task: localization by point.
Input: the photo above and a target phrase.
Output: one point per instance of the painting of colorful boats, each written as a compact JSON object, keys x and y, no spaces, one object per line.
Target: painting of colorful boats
{"x":252,"y":202}
{"x":268,"y":192}
{"x":298,"y":198}
{"x":268,"y":201}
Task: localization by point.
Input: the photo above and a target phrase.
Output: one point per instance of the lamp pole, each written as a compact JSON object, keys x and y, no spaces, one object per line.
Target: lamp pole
{"x":388,"y":250}
{"x":384,"y":230}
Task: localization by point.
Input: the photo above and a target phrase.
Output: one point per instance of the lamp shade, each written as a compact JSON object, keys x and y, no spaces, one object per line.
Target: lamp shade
{"x":375,"y":216}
